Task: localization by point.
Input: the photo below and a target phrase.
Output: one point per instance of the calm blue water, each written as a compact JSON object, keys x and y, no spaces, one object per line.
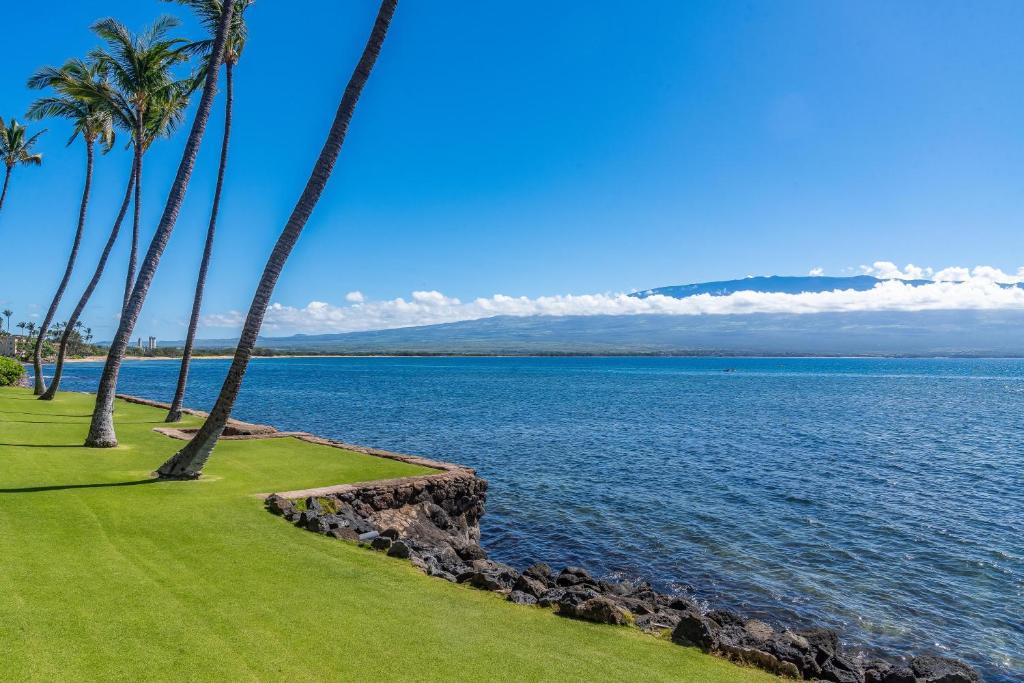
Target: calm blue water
{"x":882,"y":497}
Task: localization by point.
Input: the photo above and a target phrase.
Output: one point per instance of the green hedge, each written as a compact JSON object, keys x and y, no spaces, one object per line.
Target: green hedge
{"x":10,"y":371}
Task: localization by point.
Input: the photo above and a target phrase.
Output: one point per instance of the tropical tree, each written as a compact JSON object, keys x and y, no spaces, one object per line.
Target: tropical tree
{"x":101,"y":429}
{"x":140,"y":67}
{"x":189,"y":461}
{"x":16,"y":150}
{"x":209,"y":12}
{"x":7,"y":313}
{"x":93,"y":123}
{"x":163,"y":117}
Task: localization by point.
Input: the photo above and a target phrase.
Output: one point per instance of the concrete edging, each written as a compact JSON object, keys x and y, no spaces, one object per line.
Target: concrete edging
{"x":447,"y":470}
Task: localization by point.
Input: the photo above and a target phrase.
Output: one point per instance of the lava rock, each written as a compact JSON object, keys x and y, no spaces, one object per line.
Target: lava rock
{"x":540,"y":571}
{"x":344,"y":534}
{"x":695,"y":629}
{"x":824,"y":641}
{"x":551,"y":597}
{"x":390,"y":533}
{"x":599,"y":609}
{"x":573,"y":596}
{"x":795,"y":649}
{"x":930,"y":669}
{"x":529,"y":585}
{"x":382,"y":543}
{"x":521,"y":598}
{"x":571,"y":576}
{"x":399,"y":549}
{"x":841,"y":670}
{"x":659,"y":621}
{"x":898,"y":674}
{"x":435,"y":568}
{"x":279,"y":505}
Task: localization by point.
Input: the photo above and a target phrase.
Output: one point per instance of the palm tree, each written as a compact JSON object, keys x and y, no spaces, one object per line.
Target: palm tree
{"x":164,"y":115}
{"x":139,"y":66}
{"x":7,"y":313}
{"x":93,"y":122}
{"x":209,"y":12}
{"x":101,"y":429}
{"x":16,"y":150}
{"x":189,"y":461}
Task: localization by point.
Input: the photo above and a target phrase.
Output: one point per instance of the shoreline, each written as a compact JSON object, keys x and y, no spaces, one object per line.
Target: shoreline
{"x":403,"y":528}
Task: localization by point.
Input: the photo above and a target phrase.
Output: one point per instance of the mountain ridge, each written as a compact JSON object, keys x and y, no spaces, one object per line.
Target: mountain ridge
{"x":867,"y":333}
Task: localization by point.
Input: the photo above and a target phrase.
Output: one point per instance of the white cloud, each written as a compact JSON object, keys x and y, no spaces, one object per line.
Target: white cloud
{"x":817,"y":271}
{"x":355,"y":297}
{"x":887,"y":270}
{"x":980,"y":290}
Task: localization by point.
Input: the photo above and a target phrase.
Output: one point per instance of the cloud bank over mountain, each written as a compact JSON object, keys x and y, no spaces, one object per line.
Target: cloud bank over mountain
{"x":954,"y":288}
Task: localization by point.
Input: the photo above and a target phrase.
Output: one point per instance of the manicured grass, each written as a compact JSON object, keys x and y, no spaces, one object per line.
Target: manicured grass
{"x":107,"y":575}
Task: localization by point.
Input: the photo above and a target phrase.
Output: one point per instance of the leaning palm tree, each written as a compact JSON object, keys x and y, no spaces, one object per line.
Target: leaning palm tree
{"x":189,"y":461}
{"x":16,"y":150}
{"x":162,"y":119}
{"x":140,"y":69}
{"x":101,"y":429}
{"x":209,"y":12}
{"x":93,"y":123}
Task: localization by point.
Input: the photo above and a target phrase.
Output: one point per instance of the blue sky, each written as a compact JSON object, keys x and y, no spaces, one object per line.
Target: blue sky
{"x":556,"y":148}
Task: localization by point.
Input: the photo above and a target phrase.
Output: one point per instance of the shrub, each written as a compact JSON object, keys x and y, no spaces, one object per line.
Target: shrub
{"x":10,"y":371}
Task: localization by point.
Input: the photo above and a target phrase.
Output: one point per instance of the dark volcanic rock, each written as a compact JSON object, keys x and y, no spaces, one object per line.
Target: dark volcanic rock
{"x":658,"y":621}
{"x":344,"y":534}
{"x":898,"y":674}
{"x":551,"y":597}
{"x":931,"y":669}
{"x":381,"y":543}
{"x":695,"y":629}
{"x":571,"y":576}
{"x":521,"y":598}
{"x":279,"y":505}
{"x":529,"y":585}
{"x":597,"y":608}
{"x":540,"y":571}
{"x":399,"y":549}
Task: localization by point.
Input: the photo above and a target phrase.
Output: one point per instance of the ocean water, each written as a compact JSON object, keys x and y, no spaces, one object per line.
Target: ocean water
{"x":881,"y":497}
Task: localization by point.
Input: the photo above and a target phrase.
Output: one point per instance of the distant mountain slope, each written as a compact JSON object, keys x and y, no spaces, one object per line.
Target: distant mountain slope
{"x":928,"y":333}
{"x":974,"y":332}
{"x":772,"y":283}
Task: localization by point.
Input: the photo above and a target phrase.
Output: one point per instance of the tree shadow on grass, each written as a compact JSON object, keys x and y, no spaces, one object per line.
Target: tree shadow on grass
{"x":41,"y":422}
{"x":43,"y":413}
{"x":65,"y":487}
{"x":43,"y":445}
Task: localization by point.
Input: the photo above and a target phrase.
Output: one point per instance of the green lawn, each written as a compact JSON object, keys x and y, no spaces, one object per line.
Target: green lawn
{"x":107,"y":575}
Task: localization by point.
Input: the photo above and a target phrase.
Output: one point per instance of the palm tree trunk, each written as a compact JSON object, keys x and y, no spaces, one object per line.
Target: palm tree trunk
{"x":189,"y":461}
{"x":37,"y":363}
{"x":133,"y":255}
{"x":101,"y":429}
{"x":58,"y":369}
{"x":174,"y":414}
{"x":7,"y":181}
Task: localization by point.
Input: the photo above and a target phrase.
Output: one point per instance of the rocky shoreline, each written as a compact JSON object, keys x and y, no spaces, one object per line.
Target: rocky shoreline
{"x":433,"y":521}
